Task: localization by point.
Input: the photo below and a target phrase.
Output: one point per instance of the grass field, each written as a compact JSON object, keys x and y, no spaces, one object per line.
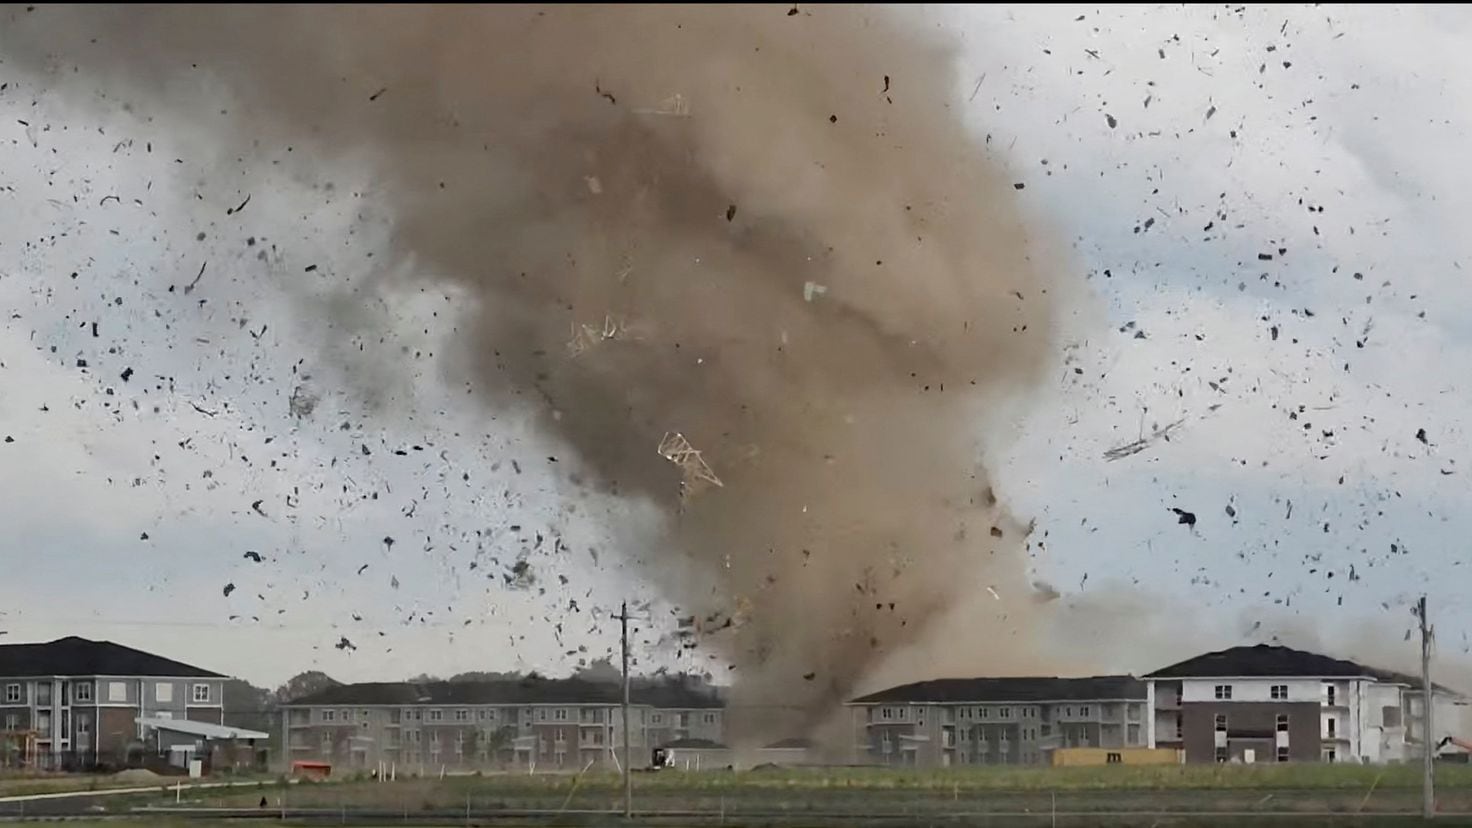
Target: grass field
{"x":1341,"y":789}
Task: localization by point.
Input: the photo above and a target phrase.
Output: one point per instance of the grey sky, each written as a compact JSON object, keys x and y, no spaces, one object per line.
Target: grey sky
{"x":1255,"y":120}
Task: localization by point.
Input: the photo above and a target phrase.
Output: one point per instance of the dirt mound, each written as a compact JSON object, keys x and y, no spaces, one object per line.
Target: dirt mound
{"x":140,"y":776}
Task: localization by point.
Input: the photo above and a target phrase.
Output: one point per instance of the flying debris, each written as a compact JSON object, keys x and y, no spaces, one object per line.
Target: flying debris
{"x":698,"y":474}
{"x":1137,"y":446}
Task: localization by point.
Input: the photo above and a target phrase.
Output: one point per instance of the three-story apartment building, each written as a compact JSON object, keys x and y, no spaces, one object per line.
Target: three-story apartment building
{"x":75,"y":703}
{"x":1268,"y":703}
{"x":531,"y":722}
{"x":979,"y":721}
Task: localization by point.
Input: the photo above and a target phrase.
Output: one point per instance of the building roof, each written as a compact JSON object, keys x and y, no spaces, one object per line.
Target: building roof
{"x":1273,"y":661}
{"x":694,"y":744}
{"x":73,"y":656}
{"x":204,"y":730}
{"x":1012,"y":689}
{"x":530,"y":690}
{"x":791,"y":744}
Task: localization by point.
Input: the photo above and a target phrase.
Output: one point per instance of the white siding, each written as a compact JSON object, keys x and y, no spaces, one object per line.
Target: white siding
{"x":1251,"y":689}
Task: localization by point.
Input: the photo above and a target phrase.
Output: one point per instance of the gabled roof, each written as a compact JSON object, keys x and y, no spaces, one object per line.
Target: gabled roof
{"x":1273,"y":661}
{"x":530,"y":690}
{"x":1011,"y":689}
{"x":73,"y":656}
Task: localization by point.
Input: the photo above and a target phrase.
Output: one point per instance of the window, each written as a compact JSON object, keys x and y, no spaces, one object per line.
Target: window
{"x":1279,"y":691}
{"x":329,"y":715}
{"x":658,"y":718}
{"x":418,"y":737}
{"x":986,"y":712}
{"x":1221,"y":755}
{"x":434,"y":744}
{"x":460,"y":744}
{"x":83,"y":691}
{"x":1282,"y":754}
{"x":117,"y":691}
{"x":201,"y":693}
{"x":12,"y":721}
{"x":1329,"y":695}
{"x":436,"y":715}
{"x":1329,"y":726}
{"x":84,"y":725}
{"x":163,"y":692}
{"x":542,"y":715}
{"x":1132,"y":734}
{"x":43,"y":693}
{"x":1221,"y":723}
{"x":462,"y":715}
{"x":345,"y":715}
{"x":1084,"y":711}
{"x":326,"y":742}
{"x":488,"y":715}
{"x":560,"y":715}
{"x":1330,"y":755}
{"x":1113,"y":759}
{"x":1132,"y":711}
{"x":709,"y":718}
{"x":1224,"y":692}
{"x":1282,"y":722}
{"x":1002,"y":736}
{"x":12,"y":694}
{"x":1068,"y":711}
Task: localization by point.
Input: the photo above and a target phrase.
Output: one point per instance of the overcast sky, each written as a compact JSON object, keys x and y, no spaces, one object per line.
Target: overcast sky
{"x":1266,"y":206}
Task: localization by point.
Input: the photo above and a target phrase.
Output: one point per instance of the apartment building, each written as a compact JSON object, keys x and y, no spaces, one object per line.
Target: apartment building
{"x":1268,"y":703}
{"x":979,"y":721}
{"x":76,"y":703}
{"x":530,"y":723}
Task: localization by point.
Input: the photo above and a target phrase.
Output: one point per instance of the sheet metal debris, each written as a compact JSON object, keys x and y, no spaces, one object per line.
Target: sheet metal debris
{"x":698,"y":474}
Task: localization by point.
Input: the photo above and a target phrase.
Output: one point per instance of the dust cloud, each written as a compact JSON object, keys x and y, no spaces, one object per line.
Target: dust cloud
{"x":766,"y":231}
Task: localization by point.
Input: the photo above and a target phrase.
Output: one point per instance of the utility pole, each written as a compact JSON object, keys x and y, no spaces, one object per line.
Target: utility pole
{"x":623,"y":618}
{"x":1428,"y":790}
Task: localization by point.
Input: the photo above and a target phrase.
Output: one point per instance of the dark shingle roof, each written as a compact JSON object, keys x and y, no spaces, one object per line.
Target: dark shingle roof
{"x":1269,"y":660}
{"x":73,"y":656}
{"x":512,"y":691}
{"x":960,"y":690}
{"x":693,"y":744}
{"x":791,"y":744}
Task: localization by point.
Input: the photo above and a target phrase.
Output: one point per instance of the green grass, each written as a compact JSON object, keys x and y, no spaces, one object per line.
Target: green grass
{"x":980,"y":779}
{"x":1328,"y":787}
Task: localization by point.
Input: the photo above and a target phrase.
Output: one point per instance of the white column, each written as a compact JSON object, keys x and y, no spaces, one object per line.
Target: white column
{"x":1149,"y":714}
